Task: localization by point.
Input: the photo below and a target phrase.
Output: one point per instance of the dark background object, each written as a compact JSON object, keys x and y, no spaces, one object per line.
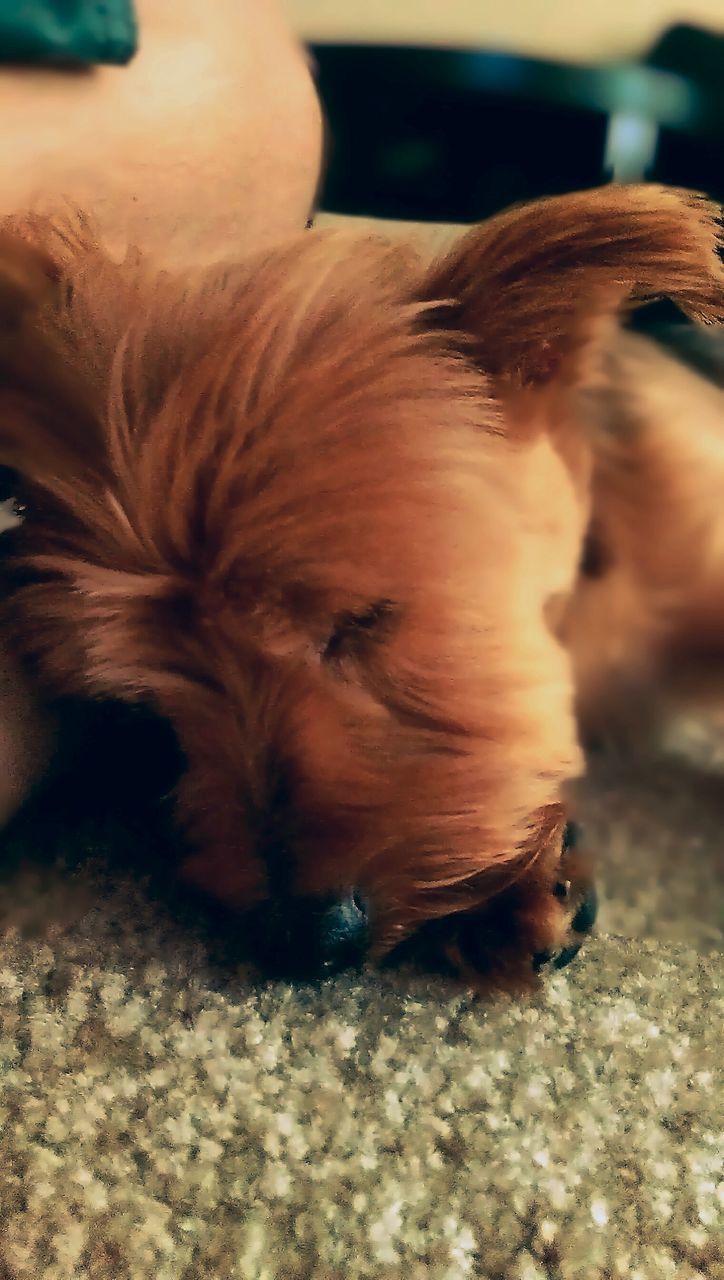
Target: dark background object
{"x":67,"y":33}
{"x":693,"y":157}
{"x":454,"y":135}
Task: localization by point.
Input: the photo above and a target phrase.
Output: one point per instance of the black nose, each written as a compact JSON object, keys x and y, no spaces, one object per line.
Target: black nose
{"x":309,"y":937}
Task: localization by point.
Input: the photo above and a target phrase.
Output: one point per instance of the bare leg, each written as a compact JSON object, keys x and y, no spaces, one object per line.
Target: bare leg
{"x":208,"y":142}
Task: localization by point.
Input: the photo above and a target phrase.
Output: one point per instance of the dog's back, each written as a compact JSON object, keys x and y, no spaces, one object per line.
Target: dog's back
{"x":648,"y":612}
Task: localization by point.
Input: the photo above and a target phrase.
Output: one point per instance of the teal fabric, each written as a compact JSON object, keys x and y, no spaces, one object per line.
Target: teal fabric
{"x":67,"y":31}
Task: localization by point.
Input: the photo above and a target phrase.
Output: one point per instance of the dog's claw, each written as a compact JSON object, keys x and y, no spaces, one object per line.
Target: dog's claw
{"x":585,"y":917}
{"x":571,"y":837}
{"x":565,"y":956}
{"x":558,"y":960}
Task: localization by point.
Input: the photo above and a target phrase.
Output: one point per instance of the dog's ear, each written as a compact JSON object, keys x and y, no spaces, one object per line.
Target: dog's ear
{"x":530,"y":289}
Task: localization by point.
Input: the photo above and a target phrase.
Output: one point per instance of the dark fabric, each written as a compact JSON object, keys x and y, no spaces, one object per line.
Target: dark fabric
{"x":70,"y":31}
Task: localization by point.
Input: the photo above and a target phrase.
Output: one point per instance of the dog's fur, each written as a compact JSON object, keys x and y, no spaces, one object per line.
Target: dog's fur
{"x":324,"y":510}
{"x":656,"y":571}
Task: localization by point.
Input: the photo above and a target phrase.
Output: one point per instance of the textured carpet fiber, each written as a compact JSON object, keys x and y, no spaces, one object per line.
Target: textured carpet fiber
{"x":162,"y":1119}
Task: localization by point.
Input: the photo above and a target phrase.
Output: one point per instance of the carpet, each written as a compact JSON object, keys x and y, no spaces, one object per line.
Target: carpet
{"x":163,"y":1116}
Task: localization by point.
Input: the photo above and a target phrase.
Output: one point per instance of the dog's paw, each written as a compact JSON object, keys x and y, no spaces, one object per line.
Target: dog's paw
{"x":539,"y":924}
{"x":576,"y":894}
{"x":533,"y":927}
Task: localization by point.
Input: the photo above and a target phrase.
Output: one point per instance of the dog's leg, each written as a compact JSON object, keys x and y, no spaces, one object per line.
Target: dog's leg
{"x":535,"y":926}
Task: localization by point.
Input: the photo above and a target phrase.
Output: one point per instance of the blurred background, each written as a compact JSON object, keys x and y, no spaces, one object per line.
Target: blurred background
{"x":448,"y":110}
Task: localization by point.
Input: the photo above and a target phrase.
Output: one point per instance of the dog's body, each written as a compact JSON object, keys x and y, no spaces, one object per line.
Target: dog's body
{"x":645,"y":625}
{"x":325,"y":512}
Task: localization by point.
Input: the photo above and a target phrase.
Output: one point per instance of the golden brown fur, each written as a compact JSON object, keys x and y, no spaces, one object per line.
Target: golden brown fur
{"x":324,"y":510}
{"x":648,"y":626}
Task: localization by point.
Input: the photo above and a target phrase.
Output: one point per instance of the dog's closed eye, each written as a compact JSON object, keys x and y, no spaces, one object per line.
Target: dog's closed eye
{"x":352,"y":629}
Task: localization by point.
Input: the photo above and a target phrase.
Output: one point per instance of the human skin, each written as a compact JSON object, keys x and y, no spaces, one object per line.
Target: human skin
{"x":207,"y":145}
{"x":208,"y":142}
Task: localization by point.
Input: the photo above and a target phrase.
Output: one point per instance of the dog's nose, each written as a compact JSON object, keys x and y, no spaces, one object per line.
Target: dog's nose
{"x":308,"y":937}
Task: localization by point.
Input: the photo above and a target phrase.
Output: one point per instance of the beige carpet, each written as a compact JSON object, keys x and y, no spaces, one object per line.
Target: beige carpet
{"x":163,"y":1119}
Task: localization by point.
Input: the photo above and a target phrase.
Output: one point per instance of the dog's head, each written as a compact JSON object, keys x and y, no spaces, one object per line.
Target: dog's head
{"x":318,"y":509}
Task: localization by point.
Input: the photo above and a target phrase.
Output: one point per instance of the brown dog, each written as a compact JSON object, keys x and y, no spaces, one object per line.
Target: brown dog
{"x":324,"y":510}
